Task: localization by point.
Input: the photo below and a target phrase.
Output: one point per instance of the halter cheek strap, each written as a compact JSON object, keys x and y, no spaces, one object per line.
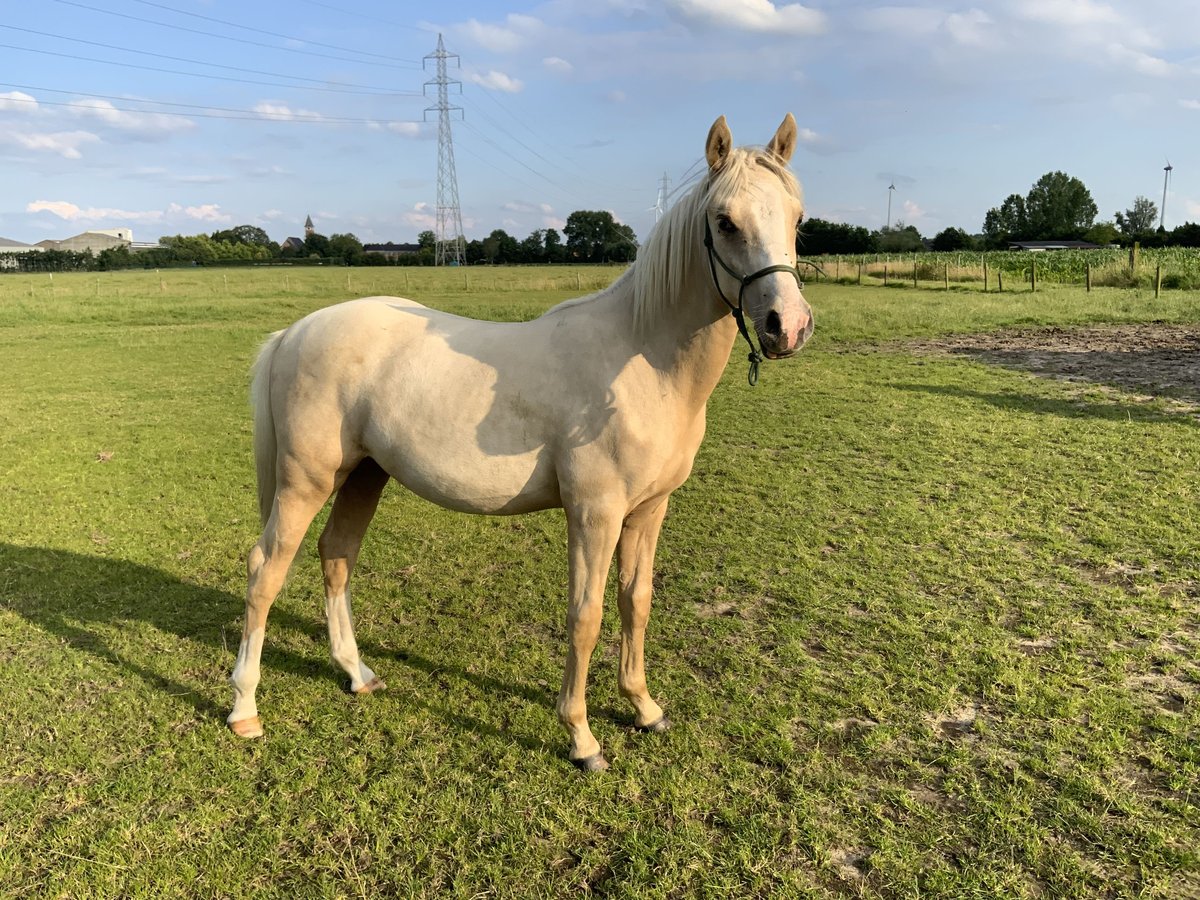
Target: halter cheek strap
{"x":755,"y":357}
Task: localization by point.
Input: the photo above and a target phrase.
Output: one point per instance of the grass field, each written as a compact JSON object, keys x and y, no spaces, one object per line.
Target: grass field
{"x":925,"y":626}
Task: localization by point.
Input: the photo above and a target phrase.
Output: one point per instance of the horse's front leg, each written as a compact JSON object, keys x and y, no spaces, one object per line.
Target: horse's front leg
{"x":592,"y":534}
{"x":635,"y":570}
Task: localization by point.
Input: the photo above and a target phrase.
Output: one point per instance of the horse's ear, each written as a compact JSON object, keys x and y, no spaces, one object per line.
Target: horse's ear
{"x":783,"y":145}
{"x":720,"y":142}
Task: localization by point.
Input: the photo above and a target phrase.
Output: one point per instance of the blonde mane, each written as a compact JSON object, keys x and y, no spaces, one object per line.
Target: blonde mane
{"x":676,"y":245}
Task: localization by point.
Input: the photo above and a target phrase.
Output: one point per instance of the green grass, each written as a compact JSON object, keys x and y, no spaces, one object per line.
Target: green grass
{"x":924,"y":626}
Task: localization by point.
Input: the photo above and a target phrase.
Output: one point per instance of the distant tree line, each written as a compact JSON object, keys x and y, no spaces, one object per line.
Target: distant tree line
{"x":1056,"y":208}
{"x":588,"y":237}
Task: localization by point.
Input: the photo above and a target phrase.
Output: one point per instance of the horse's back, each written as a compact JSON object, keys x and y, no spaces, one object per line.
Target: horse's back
{"x":441,"y":402}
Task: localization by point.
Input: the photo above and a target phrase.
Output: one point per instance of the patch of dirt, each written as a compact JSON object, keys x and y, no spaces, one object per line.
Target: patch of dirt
{"x":1156,"y":359}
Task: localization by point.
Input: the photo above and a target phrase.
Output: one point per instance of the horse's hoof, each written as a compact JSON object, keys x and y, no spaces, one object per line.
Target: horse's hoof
{"x":375,"y":684}
{"x":663,"y":724}
{"x":247,"y":728}
{"x":594,"y":763}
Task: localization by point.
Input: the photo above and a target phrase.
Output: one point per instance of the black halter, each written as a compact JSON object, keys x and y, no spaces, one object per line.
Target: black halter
{"x":745,"y":281}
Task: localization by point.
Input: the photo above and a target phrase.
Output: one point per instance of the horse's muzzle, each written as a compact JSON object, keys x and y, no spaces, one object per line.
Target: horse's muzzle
{"x":780,"y":341}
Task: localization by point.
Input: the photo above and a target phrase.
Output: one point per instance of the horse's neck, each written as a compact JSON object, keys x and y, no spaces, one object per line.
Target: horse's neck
{"x":689,"y":340}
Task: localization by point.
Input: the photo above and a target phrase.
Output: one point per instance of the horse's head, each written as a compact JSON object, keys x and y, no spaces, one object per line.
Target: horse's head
{"x":754,"y":208}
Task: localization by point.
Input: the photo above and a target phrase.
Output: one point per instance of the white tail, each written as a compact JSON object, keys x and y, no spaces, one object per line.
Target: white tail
{"x":264,"y":426}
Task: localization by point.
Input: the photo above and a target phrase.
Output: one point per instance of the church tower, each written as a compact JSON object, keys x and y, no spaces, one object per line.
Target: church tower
{"x":309,"y":231}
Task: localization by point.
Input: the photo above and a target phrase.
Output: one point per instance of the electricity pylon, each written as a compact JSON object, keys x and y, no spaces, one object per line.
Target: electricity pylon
{"x":449,"y":234}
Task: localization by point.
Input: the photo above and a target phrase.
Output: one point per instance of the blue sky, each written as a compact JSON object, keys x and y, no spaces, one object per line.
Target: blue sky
{"x":186,"y":116}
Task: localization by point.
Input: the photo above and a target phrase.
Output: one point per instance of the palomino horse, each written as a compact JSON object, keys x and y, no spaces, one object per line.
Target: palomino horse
{"x":597,"y":407}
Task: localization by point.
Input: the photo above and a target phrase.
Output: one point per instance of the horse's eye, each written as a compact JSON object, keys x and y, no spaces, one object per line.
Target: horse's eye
{"x":725,"y":225}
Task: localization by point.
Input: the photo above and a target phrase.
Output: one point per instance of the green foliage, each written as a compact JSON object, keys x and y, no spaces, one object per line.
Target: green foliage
{"x":1139,"y":220}
{"x":953,"y":239}
{"x":1103,"y":234}
{"x":900,"y":238}
{"x":594,"y":236}
{"x":1059,"y":207}
{"x":818,"y":237}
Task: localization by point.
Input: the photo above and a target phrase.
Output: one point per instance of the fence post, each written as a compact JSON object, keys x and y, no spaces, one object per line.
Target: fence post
{"x":1000,"y":281}
{"x":1033,"y":276}
{"x":946,"y":274}
{"x":860,"y":271}
{"x":1087,"y":271}
{"x":1157,"y":280}
{"x":885,"y":273}
{"x":985,"y":276}
{"x":914,"y":271}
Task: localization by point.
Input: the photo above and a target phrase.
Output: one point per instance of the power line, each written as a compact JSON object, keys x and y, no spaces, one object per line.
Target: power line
{"x":206,"y":112}
{"x":197,"y":62}
{"x":285,"y":37}
{"x":359,"y":14}
{"x":127,"y":65}
{"x":226,"y":37}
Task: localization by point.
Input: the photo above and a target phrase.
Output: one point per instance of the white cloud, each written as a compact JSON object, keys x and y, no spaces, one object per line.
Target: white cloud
{"x":65,"y":143}
{"x":281,"y":112}
{"x":137,"y":123}
{"x":73,"y":213}
{"x":207,"y":212}
{"x":1067,"y":13}
{"x":970,"y":27}
{"x":497,"y":81}
{"x":18,"y":101}
{"x":912,"y":211}
{"x":407,"y":129}
{"x":558,"y":64}
{"x":516,"y":32}
{"x":615,"y":97}
{"x":1140,"y":62}
{"x":1190,"y":104}
{"x":750,"y":15}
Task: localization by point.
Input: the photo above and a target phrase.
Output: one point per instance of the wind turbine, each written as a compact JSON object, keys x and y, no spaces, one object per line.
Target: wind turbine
{"x":1162,"y":215}
{"x":891,"y":190}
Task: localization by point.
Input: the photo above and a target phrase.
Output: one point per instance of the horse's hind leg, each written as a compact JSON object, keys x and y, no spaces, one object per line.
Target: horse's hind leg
{"x":635,"y":575}
{"x":339,"y":545}
{"x":297,"y":501}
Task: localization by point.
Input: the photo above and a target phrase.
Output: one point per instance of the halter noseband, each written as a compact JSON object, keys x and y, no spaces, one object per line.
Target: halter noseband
{"x":745,"y":281}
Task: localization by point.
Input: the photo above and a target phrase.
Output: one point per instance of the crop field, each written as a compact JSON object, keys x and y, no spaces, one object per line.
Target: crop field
{"x":927,"y":618}
{"x":1177,"y":267}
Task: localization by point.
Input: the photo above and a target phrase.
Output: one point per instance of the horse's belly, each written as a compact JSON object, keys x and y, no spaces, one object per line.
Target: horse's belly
{"x":463,"y":479}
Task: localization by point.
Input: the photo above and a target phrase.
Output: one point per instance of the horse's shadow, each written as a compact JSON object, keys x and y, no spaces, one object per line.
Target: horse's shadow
{"x":87,"y":601}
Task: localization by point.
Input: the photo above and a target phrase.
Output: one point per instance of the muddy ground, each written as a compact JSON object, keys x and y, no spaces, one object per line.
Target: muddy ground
{"x":1149,"y":360}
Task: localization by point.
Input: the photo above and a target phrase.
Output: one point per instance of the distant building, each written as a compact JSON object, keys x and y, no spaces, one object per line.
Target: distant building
{"x":1039,"y":246}
{"x":9,"y":249}
{"x":392,"y":250}
{"x":95,"y":241}
{"x":309,"y":230}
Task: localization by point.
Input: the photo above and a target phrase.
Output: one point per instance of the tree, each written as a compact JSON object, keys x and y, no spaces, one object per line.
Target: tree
{"x":500,"y":247}
{"x":594,"y":236}
{"x":1138,"y":220}
{"x":1005,"y":223}
{"x":555,"y":251}
{"x":347,"y":248}
{"x":316,"y":245}
{"x":533,"y":248}
{"x":245,"y":234}
{"x":818,"y":236}
{"x":1186,"y":235}
{"x":427,"y":240}
{"x":900,"y":238}
{"x":1059,"y":207}
{"x":1102,"y":233}
{"x":953,"y":239}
